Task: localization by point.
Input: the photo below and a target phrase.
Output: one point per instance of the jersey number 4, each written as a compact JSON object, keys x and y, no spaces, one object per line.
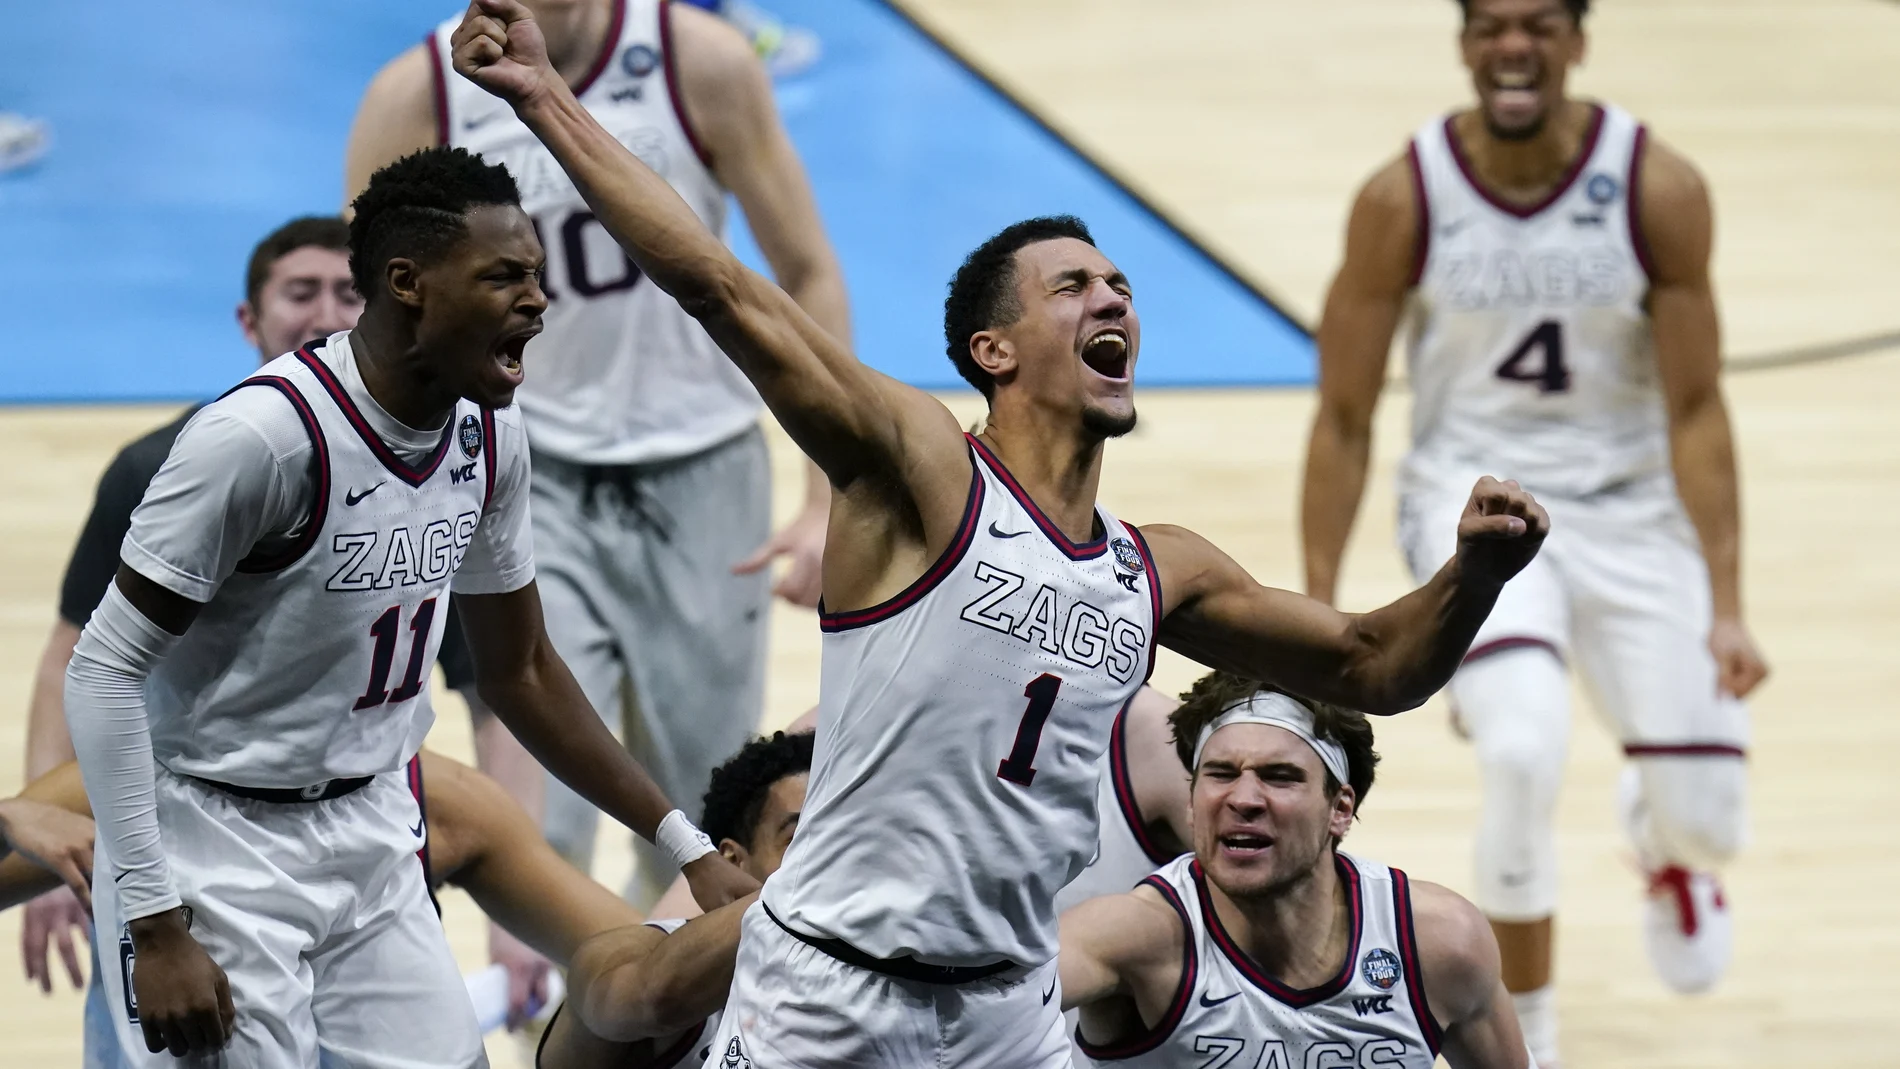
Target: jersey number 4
{"x":1549,"y":373}
{"x":384,"y":655}
{"x":1041,"y":692}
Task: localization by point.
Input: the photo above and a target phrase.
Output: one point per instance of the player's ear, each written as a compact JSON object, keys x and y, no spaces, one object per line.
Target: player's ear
{"x":993,"y":353}
{"x":403,"y":278}
{"x":1345,"y":807}
{"x":734,"y":852}
{"x":247,"y":322}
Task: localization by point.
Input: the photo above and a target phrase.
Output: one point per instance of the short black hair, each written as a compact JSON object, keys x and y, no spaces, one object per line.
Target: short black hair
{"x":417,"y":207}
{"x":736,"y":795}
{"x":1216,"y":692}
{"x":983,"y":291}
{"x":1577,"y":8}
{"x":322,"y":231}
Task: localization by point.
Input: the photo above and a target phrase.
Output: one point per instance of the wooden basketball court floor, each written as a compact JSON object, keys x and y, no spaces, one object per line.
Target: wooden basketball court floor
{"x":1251,"y":121}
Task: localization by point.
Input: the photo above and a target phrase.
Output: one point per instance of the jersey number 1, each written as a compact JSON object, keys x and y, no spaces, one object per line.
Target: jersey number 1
{"x":1041,"y":693}
{"x":1551,"y":374}
{"x":381,"y":658}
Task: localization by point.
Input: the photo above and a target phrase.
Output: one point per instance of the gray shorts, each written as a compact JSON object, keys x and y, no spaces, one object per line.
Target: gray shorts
{"x":635,"y":563}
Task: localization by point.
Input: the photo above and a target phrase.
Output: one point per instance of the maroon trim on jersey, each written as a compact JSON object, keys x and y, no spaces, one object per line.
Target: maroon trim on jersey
{"x":490,"y":454}
{"x":388,"y":457}
{"x":414,"y":772}
{"x":320,"y":461}
{"x":681,"y":1047}
{"x":832,"y":622}
{"x":1154,"y":596}
{"x":1637,"y":240}
{"x":1424,"y":238}
{"x":1124,"y":788}
{"x":608,"y":48}
{"x":1084,"y":551}
{"x":1683,"y":749}
{"x":1409,"y":960}
{"x":441,"y":89}
{"x":1183,"y":994}
{"x":1511,"y":642}
{"x":1525,"y":211}
{"x":673,"y":85}
{"x":1297,"y":998}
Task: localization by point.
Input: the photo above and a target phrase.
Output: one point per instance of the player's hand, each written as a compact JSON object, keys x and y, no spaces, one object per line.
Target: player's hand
{"x":803,"y":540}
{"x":499,"y":48}
{"x":1739,"y":667}
{"x":183,"y":997}
{"x":52,"y":918}
{"x":52,"y":838}
{"x":1500,"y":531}
{"x":527,"y":974}
{"x":716,"y":881}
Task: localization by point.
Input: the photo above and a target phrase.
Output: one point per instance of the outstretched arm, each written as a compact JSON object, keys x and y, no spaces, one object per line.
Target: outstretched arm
{"x":1464,"y":989}
{"x":630,"y":985}
{"x":1381,"y":662}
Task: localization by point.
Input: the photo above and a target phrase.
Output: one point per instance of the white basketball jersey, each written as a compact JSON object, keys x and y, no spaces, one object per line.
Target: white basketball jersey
{"x":1229,"y":1014}
{"x":621,"y":374}
{"x":1125,"y":853}
{"x":1530,"y":354}
{"x":960,"y":737}
{"x":313,"y":664}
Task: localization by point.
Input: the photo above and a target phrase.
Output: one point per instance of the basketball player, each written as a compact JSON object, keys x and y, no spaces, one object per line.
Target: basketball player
{"x":1267,"y":946}
{"x":1564,"y":334}
{"x":651,"y":480}
{"x":984,"y":620}
{"x":340,"y":491}
{"x":1141,"y":798}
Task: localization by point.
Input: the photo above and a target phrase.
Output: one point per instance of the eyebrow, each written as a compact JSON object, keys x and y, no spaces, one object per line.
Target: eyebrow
{"x":1235,"y":766}
{"x":1081,"y":275}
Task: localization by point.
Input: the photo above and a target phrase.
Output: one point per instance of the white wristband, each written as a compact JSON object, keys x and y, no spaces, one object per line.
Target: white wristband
{"x":680,"y":840}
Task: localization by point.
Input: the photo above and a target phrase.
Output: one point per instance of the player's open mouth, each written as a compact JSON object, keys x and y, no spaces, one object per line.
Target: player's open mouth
{"x":1106,"y":354}
{"x":1515,"y":91}
{"x":509,"y":354}
{"x":1245,"y":844}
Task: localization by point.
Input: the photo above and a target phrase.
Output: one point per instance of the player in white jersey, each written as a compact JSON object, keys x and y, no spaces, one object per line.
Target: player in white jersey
{"x":1268,"y":948}
{"x":984,"y":620}
{"x":245,"y":697}
{"x":1140,"y":802}
{"x":1554,"y":261}
{"x":651,"y":479}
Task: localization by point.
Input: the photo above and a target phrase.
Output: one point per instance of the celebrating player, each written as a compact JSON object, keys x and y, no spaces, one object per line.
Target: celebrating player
{"x":1566,"y":338}
{"x":984,"y":620}
{"x":1268,"y":946}
{"x":284,"y":567}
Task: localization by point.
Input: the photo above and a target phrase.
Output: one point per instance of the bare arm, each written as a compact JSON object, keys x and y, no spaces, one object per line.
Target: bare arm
{"x":1464,"y":988}
{"x":1120,"y":962}
{"x":1380,"y":662}
{"x":633,"y":986}
{"x":48,"y":744}
{"x":46,"y":837}
{"x":1678,"y":227}
{"x":1355,"y":335}
{"x":396,"y":117}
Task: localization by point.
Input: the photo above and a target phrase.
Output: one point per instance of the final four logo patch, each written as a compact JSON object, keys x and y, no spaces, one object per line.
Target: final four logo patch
{"x":470,"y":435}
{"x":1380,"y":968}
{"x":1126,"y":555}
{"x":1602,"y":189}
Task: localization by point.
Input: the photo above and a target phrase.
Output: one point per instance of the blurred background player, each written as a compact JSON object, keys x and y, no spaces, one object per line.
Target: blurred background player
{"x":1267,"y":946}
{"x":1564,"y":335}
{"x":651,"y":479}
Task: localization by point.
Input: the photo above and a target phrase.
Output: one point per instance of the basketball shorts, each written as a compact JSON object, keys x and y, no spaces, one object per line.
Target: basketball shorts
{"x":1620,"y":590}
{"x":320,"y":918}
{"x":793,"y":1006}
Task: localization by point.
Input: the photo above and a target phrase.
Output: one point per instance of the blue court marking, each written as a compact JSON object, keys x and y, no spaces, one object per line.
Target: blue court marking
{"x":177,"y":147}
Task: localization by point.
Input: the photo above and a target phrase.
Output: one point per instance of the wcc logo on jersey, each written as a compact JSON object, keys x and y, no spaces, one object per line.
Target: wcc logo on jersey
{"x":469,"y":436}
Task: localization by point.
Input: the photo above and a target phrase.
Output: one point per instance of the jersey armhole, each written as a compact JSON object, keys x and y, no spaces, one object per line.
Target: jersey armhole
{"x":1154,"y":596}
{"x":255,"y":563}
{"x":438,"y":88}
{"x":673,"y":93}
{"x":1634,"y":200}
{"x":1422,"y":237}
{"x":833,"y":622}
{"x":1414,"y":969}
{"x":1183,"y":994}
{"x":1122,"y":783}
{"x":491,"y":451}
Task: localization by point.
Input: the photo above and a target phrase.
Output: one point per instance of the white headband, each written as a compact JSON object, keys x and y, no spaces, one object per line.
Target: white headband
{"x":1281,"y":711}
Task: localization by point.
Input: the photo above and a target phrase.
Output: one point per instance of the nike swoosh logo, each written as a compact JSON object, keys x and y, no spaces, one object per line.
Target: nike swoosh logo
{"x":353,"y":497}
{"x":417,"y":829}
{"x":1452,"y":227}
{"x":480,"y":120}
{"x":123,"y":873}
{"x":998,"y":532}
{"x":1049,"y":994}
{"x":1210,"y":1003}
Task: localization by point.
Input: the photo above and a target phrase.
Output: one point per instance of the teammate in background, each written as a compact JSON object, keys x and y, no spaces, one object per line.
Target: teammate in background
{"x":1141,"y":800}
{"x":255,"y":825}
{"x":985,"y":620}
{"x":1268,"y":945}
{"x":651,"y":478}
{"x":1565,"y":336}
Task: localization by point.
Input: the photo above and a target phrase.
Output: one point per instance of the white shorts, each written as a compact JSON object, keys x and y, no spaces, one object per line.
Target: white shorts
{"x":793,"y":1006}
{"x":1621,"y":587}
{"x":319,"y":915}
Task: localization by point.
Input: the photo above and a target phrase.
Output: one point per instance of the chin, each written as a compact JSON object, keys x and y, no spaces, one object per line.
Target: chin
{"x":1108,"y":424}
{"x":1524,"y":131}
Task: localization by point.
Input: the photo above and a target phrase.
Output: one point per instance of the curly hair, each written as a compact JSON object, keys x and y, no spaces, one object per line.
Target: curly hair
{"x":1577,"y":8}
{"x":736,"y":795}
{"x":417,"y":207}
{"x":1216,"y":692}
{"x":983,"y":291}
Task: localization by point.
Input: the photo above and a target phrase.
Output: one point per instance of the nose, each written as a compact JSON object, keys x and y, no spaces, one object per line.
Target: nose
{"x":1107,"y":302}
{"x":534,"y":300}
{"x":1247,"y":796}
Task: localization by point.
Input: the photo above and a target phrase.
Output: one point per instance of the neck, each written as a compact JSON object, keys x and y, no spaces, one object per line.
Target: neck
{"x":575,"y":33}
{"x":1060,"y":469}
{"x":389,"y":360}
{"x":1298,"y":934}
{"x":1527,"y":169}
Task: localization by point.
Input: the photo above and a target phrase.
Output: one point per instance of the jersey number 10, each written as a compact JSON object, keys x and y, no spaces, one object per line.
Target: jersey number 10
{"x":1550,"y":374}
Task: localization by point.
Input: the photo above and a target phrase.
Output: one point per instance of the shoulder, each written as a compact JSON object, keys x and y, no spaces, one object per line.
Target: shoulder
{"x":253,"y":421}
{"x":1391,"y":193}
{"x":1129,"y":931}
{"x":1674,"y":213}
{"x":1667,"y":179}
{"x":723,"y":86}
{"x":407,"y":79}
{"x":1458,"y":954}
{"x":396,"y":117}
{"x":1384,"y":225}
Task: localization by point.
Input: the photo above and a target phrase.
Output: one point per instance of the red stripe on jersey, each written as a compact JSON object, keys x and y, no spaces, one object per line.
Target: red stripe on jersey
{"x":387,"y":457}
{"x":673,"y":84}
{"x":1525,"y":211}
{"x":608,"y":47}
{"x":1513,"y":642}
{"x":440,"y":90}
{"x":831,"y":622}
{"x":1683,"y":749}
{"x":1083,"y":551}
{"x":320,"y":507}
{"x":490,"y":453}
{"x":1298,"y":998}
{"x":1183,"y":993}
{"x":1154,"y":597}
{"x":1424,"y":237}
{"x":1124,"y":788}
{"x":1409,"y":960}
{"x":1637,"y":240}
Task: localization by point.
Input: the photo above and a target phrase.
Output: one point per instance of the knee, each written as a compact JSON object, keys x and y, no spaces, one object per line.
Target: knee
{"x":1698,"y":820}
{"x":1516,"y":707}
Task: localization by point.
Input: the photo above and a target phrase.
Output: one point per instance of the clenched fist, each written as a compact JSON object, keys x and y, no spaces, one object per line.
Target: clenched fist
{"x":1500,"y":531}
{"x":499,"y":47}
